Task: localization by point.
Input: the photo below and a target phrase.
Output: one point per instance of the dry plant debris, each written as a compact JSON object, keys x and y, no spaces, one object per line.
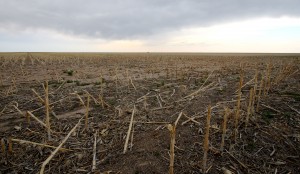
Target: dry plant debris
{"x":129,"y":103}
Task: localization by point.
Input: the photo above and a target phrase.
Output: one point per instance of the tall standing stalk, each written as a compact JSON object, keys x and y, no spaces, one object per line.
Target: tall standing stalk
{"x":101,"y":92}
{"x":249,"y":109}
{"x":224,"y":128}
{"x":238,"y":106}
{"x":116,"y":80}
{"x":3,"y":146}
{"x":172,"y":129}
{"x":206,"y":139}
{"x":145,"y":102}
{"x":87,"y":111}
{"x":269,"y":78}
{"x":128,"y":80}
{"x":259,"y":93}
{"x":267,"y":83}
{"x":47,"y":110}
{"x":254,"y":92}
{"x":10,"y":145}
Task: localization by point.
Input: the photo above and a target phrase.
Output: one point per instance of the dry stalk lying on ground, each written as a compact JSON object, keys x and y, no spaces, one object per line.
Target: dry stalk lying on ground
{"x":38,"y":96}
{"x":129,"y":131}
{"x":58,"y":147}
{"x":80,"y":99}
{"x":18,"y":110}
{"x":94,"y":151}
{"x":44,"y":103}
{"x":37,"y":144}
{"x":96,"y":101}
{"x":161,"y":95}
{"x":38,"y":120}
{"x":201,"y":89}
{"x":249,"y":82}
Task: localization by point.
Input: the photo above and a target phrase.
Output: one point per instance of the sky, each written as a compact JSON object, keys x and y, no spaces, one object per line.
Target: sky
{"x":150,"y":26}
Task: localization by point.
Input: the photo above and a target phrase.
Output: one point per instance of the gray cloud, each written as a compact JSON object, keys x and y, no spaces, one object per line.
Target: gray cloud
{"x":131,"y":19}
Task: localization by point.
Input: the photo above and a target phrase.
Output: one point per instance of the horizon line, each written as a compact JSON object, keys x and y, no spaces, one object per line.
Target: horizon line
{"x":149,"y":52}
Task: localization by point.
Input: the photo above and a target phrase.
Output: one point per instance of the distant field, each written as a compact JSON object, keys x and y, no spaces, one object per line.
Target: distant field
{"x":144,"y":53}
{"x":259,"y":92}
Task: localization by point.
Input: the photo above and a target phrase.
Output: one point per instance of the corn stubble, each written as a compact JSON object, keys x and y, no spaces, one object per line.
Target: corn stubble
{"x":258,"y":91}
{"x":238,"y":105}
{"x":249,"y":109}
{"x":87,"y":108}
{"x":172,"y":130}
{"x":206,"y":140}
{"x":224,"y":127}
{"x":47,"y":110}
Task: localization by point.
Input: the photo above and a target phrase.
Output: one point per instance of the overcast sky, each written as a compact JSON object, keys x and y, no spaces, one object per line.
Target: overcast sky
{"x":150,"y":25}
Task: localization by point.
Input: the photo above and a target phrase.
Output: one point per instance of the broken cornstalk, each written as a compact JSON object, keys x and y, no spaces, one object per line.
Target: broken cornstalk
{"x":172,"y":129}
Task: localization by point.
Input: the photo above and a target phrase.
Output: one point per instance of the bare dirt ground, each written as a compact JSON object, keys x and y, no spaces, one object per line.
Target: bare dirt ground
{"x":160,"y":86}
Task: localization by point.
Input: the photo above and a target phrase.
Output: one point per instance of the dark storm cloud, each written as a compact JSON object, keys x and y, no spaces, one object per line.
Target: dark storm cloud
{"x":125,"y":19}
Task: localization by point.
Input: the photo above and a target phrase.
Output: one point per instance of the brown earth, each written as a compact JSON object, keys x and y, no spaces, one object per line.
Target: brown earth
{"x":269,"y":144}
